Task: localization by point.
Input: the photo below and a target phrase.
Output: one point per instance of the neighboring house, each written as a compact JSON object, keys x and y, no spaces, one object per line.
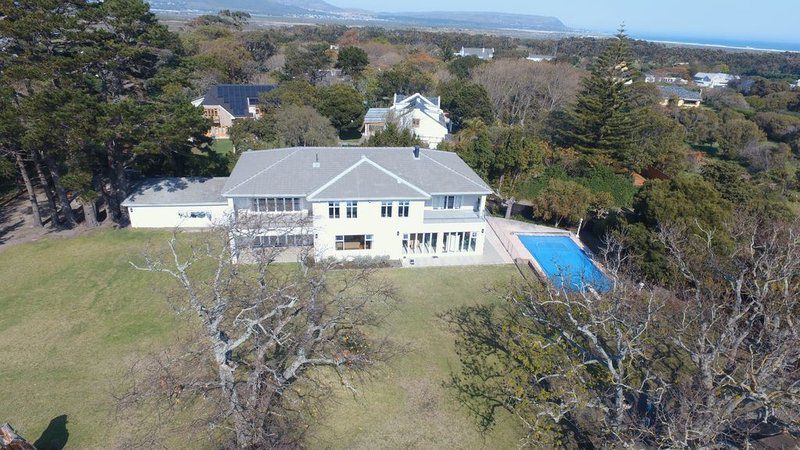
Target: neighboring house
{"x":363,"y":202}
{"x":539,"y":58}
{"x":481,"y":53}
{"x":795,"y":85}
{"x":422,"y":115}
{"x":680,"y":96}
{"x":177,"y":202}
{"x":713,"y":80}
{"x":652,"y":78}
{"x":224,"y":103}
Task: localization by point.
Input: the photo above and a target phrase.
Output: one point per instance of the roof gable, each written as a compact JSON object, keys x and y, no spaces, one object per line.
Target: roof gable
{"x":366,"y":180}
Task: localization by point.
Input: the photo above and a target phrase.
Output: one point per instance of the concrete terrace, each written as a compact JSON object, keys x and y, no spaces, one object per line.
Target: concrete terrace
{"x":506,"y":229}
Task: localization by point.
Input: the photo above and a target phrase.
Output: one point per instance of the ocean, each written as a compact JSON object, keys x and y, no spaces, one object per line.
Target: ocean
{"x":721,"y":42}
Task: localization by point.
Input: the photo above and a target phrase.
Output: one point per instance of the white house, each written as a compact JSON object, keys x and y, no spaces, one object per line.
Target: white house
{"x":177,"y":202}
{"x":481,"y":53}
{"x":653,"y":78}
{"x":422,"y":115}
{"x":362,"y":202}
{"x":795,"y":85}
{"x":713,"y":80}
{"x":224,"y":103}
{"x":539,"y":58}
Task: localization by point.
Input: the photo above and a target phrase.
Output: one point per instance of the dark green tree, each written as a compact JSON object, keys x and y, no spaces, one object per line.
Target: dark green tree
{"x":474,"y":146}
{"x":403,"y":79}
{"x":465,"y":101}
{"x":352,"y":60}
{"x":461,"y":67}
{"x":392,"y":136}
{"x":603,"y":120}
{"x":343,"y":106}
{"x":291,"y":92}
{"x":305,"y":60}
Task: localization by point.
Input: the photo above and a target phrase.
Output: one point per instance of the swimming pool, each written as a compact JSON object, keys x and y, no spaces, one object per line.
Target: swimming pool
{"x":563,"y":261}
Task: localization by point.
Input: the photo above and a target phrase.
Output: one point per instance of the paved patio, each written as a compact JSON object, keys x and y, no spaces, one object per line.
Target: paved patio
{"x":506,"y":230}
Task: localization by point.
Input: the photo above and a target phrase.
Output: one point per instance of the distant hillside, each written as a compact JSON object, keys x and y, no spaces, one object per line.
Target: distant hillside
{"x":320,"y":9}
{"x":262,"y":7}
{"x":480,"y":19}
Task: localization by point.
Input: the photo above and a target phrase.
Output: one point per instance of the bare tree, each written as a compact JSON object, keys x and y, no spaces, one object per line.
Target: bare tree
{"x":523,"y":91}
{"x":738,"y":326}
{"x":267,"y":333}
{"x":713,"y":362}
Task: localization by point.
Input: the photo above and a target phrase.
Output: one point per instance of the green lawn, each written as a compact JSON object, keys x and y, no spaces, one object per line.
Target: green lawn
{"x":222,"y":146}
{"x":75,"y":315}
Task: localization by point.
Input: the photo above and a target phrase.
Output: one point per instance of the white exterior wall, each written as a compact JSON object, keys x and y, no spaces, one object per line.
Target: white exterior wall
{"x":429,"y":130}
{"x":170,"y":216}
{"x":387,"y":232}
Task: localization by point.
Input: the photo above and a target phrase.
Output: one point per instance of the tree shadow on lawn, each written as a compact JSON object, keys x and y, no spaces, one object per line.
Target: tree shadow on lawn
{"x":55,"y":436}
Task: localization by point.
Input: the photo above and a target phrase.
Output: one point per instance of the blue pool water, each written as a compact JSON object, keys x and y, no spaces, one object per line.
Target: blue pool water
{"x":564,"y":262}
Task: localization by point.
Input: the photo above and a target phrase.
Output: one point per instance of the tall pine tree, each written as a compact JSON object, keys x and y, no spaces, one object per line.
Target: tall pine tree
{"x":603,"y":120}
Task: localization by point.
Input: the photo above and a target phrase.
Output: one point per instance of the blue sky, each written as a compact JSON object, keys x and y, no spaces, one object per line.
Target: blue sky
{"x":766,"y":20}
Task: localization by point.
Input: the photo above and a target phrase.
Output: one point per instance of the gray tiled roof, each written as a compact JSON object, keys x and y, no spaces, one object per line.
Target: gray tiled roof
{"x":682,"y":93}
{"x":291,"y":172}
{"x":177,"y":191}
{"x":376,"y":115}
{"x":367,"y":181}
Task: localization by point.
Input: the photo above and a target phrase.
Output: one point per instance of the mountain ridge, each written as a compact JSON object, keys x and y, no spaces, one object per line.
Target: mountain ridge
{"x":322,"y":9}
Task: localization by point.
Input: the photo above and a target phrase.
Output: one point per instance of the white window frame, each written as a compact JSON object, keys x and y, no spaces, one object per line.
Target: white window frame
{"x":403,"y":208}
{"x":276,"y":204}
{"x":334,"y":210}
{"x":351,"y":210}
{"x":386,"y":209}
{"x":341,"y":239}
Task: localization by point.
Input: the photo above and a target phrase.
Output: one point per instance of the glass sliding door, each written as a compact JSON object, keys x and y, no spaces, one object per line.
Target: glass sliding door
{"x":459,"y":241}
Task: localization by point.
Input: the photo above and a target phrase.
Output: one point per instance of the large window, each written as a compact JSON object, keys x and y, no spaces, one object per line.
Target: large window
{"x":460,"y":241}
{"x":420,"y":243}
{"x":402,"y":209}
{"x":333,"y":210}
{"x":276,"y":204}
{"x":386,"y":209}
{"x":284,"y":240}
{"x":351,"y":210}
{"x":354,"y":242}
{"x":447,"y":202}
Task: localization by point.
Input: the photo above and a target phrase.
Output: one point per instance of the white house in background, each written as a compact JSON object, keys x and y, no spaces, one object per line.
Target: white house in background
{"x":362,"y":202}
{"x":177,"y":202}
{"x":539,"y":58}
{"x":224,"y":103}
{"x":481,"y":53}
{"x":422,"y":115}
{"x":713,"y":80}
{"x":679,"y":96}
{"x":652,"y":78}
{"x":795,"y":85}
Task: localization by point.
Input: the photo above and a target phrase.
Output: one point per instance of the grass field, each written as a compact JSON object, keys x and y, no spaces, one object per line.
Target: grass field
{"x":75,"y":315}
{"x":222,"y":146}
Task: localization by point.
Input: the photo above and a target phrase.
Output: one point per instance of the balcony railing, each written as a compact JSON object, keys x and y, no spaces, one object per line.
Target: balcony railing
{"x":451,"y":215}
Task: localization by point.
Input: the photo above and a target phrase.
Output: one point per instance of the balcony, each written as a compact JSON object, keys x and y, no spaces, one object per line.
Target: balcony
{"x":451,"y":216}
